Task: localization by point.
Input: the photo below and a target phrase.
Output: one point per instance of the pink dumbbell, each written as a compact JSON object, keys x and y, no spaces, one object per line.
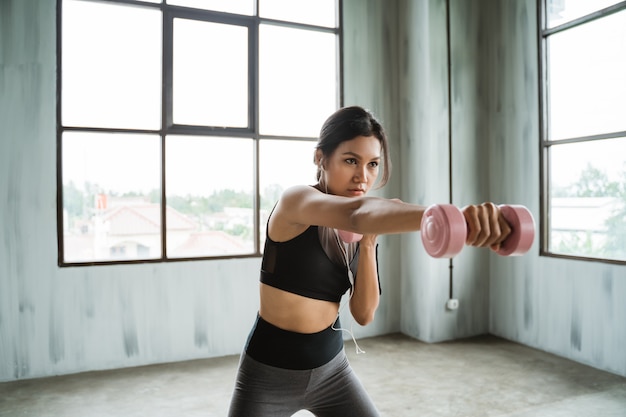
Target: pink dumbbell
{"x":444,"y":230}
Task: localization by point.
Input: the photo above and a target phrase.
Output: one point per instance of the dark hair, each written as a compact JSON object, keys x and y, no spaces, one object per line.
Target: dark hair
{"x":346,"y":124}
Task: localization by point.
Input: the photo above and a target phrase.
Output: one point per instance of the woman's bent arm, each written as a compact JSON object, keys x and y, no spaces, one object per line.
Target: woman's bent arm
{"x":366,"y":292}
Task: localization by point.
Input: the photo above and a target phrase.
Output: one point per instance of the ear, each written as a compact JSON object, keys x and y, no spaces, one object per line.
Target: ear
{"x":319,"y":158}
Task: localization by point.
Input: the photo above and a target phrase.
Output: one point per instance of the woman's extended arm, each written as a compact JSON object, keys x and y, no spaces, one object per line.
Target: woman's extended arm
{"x":302,"y":206}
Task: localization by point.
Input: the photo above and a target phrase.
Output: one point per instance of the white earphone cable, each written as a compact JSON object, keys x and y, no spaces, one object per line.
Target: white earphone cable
{"x":344,"y":251}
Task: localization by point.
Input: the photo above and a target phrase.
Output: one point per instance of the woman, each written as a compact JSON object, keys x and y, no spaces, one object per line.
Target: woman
{"x":294,"y":357}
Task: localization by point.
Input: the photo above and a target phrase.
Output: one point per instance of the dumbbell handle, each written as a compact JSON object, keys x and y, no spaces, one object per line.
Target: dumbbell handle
{"x":444,"y":230}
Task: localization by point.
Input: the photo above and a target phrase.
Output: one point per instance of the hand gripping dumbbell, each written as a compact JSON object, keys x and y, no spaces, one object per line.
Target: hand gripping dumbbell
{"x":444,"y":231}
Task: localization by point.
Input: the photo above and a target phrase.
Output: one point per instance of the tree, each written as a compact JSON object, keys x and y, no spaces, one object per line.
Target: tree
{"x":595,"y":183}
{"x":616,"y":224}
{"x":270,"y":196}
{"x":73,"y":201}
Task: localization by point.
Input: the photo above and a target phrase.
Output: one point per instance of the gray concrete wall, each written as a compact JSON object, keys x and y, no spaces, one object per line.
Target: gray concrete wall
{"x":370,"y":80}
{"x":425,"y":148}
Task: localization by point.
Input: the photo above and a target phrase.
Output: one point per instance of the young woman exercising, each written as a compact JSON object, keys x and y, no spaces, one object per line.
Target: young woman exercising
{"x":294,"y":357}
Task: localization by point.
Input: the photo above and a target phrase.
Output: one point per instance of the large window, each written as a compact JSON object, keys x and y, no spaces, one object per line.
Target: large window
{"x":181,"y":121}
{"x":583,"y":46}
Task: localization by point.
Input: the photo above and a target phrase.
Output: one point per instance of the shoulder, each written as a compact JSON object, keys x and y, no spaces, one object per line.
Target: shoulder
{"x":299,"y":190}
{"x":298,"y":195}
{"x":289,"y":217}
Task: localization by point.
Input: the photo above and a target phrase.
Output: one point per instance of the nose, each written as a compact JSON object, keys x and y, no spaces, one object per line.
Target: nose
{"x":360,"y":174}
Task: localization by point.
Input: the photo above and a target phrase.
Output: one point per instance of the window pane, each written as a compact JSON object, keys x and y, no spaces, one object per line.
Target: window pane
{"x":563,"y":11}
{"x":209,"y":196}
{"x":111,"y":197}
{"x":282,"y":164}
{"x":298,"y":80}
{"x":210,"y":74}
{"x":588,"y":199}
{"x":586,"y":84}
{"x":313,"y":12}
{"x":230,"y":6}
{"x":111,"y":74}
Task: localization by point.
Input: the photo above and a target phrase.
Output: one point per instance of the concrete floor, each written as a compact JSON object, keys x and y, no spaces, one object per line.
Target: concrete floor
{"x":483,"y":376}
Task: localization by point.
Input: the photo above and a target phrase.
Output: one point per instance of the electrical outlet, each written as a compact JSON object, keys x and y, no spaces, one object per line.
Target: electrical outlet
{"x":452,"y":304}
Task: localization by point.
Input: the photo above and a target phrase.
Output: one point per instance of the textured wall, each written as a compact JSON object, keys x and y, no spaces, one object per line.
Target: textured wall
{"x":425,"y":159}
{"x":370,"y":80}
{"x":424,"y":143}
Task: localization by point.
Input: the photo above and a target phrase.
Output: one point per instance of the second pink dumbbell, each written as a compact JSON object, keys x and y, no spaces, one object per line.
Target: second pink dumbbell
{"x":444,"y":230}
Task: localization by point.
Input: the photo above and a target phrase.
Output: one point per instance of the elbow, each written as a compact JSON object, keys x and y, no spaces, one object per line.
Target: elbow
{"x":364,"y":318}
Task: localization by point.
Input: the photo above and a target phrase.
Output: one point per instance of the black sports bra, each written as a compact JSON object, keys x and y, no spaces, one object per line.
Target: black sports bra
{"x":301,"y":266}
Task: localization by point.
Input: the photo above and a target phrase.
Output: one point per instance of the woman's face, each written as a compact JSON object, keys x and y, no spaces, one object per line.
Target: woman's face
{"x":352,"y":169}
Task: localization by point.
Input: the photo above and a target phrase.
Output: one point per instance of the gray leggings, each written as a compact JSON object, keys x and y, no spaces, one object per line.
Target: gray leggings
{"x":329,"y":390}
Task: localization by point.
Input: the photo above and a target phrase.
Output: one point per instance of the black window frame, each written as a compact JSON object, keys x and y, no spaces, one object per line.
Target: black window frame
{"x":546,"y":143}
{"x":168,"y":127}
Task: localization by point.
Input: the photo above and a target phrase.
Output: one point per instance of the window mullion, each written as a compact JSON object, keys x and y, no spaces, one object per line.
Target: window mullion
{"x":253,"y":117}
{"x":166,"y":118}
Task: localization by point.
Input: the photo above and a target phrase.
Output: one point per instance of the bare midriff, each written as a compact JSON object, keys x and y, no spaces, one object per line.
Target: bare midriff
{"x":294,"y":312}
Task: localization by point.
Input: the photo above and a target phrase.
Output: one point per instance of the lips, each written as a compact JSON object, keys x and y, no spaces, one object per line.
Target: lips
{"x":356,"y":192}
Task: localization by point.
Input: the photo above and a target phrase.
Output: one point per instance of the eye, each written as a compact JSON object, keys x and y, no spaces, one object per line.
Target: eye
{"x":374,"y":164}
{"x":351,"y":161}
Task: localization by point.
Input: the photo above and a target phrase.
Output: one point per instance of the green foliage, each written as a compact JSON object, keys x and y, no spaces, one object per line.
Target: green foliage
{"x":73,"y":200}
{"x":578,"y":245}
{"x":79,"y":204}
{"x":242,"y":231}
{"x":198,"y":205}
{"x":595,"y":183}
{"x":154,"y":196}
{"x":270,"y":196}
